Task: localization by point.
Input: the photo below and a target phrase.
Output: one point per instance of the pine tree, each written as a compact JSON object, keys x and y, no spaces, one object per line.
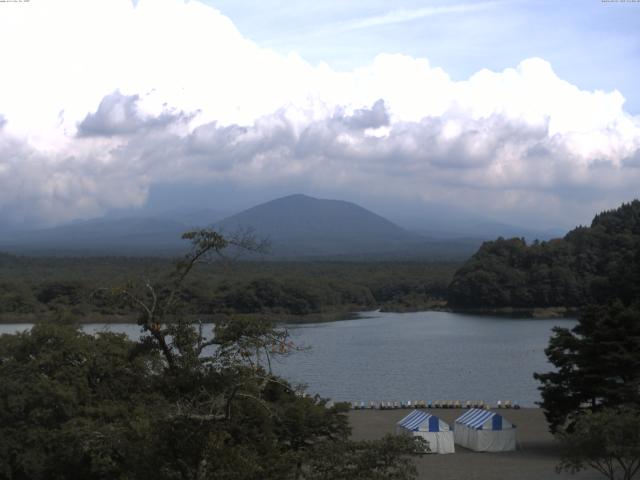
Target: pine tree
{"x":597,"y":363}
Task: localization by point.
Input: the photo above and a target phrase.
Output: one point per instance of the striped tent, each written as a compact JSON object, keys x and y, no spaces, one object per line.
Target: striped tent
{"x":422,"y":424}
{"x":485,"y":431}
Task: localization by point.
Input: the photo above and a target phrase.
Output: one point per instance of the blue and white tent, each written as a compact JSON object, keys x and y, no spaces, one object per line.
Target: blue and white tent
{"x":484,"y":431}
{"x":422,"y":424}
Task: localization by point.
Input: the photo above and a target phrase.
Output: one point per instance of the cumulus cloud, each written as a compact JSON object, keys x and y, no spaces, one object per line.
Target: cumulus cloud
{"x":118,"y":114}
{"x":112,"y":122}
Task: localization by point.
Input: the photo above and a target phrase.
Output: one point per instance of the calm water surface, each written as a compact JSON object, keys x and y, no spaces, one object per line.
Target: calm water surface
{"x":424,"y":355}
{"x":402,"y":356}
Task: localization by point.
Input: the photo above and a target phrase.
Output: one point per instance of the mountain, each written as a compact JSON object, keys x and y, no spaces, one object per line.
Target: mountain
{"x":444,"y":221}
{"x":300,"y":226}
{"x":134,"y":236}
{"x":489,"y":230}
{"x":191,"y":217}
{"x":484,"y":230}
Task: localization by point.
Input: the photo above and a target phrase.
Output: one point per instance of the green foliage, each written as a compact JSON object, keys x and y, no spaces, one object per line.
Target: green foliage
{"x":72,"y":405}
{"x":589,"y":265}
{"x":180,"y":403}
{"x":290,"y":296}
{"x":384,"y":459}
{"x":597,"y":364}
{"x":36,"y":289}
{"x":17,"y":297}
{"x":608,"y":441}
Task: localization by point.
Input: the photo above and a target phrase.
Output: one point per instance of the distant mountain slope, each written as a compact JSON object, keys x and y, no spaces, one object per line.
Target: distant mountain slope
{"x":192,"y":217}
{"x":447,"y":222}
{"x":125,"y":235}
{"x":301,"y":216}
{"x":491,"y":230}
{"x":303,"y":226}
{"x":589,"y":265}
{"x":299,"y":227}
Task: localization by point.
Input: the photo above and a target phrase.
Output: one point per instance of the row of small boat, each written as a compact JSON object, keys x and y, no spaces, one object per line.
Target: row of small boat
{"x":385,"y":405}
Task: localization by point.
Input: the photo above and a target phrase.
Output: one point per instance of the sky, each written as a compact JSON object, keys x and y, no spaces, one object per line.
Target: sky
{"x":525,"y":112}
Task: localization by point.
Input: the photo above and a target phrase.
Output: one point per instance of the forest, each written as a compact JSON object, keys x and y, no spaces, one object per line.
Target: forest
{"x":590,"y":265}
{"x":33,"y":289}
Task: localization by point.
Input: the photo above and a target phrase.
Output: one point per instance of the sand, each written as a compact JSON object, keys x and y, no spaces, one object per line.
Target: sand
{"x":535,"y":459}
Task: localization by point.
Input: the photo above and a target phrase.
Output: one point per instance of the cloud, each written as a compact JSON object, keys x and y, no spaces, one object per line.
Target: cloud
{"x":375,"y":117}
{"x":118,"y":114}
{"x":112,"y":123}
{"x":406,"y":15}
{"x":36,"y":189}
{"x":633,"y":160}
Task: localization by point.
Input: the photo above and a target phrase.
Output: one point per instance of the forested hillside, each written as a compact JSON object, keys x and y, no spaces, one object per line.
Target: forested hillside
{"x":589,"y":265}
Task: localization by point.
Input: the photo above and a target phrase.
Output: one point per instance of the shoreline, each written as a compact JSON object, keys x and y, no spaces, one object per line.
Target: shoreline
{"x":89,"y":319}
{"x":542,"y":313}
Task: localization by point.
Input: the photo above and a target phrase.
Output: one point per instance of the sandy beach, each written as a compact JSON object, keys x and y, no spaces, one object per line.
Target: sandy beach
{"x":535,"y":459}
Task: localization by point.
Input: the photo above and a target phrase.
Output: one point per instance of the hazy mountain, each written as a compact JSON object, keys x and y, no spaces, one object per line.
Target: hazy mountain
{"x":488,"y":231}
{"x":303,"y":226}
{"x":298,"y":226}
{"x":492,"y":230}
{"x":447,"y":223}
{"x":124,"y":236}
{"x":192,"y":217}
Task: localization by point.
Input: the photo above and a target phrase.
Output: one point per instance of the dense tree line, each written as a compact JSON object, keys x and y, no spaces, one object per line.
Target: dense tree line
{"x":33,"y":288}
{"x":589,"y":265}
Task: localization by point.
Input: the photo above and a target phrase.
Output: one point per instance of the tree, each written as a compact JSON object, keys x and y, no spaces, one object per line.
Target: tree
{"x":181,"y":403}
{"x":383,"y":459}
{"x":608,"y":441}
{"x":597,"y":364}
{"x":159,"y":304}
{"x":74,"y":405}
{"x":594,"y":264}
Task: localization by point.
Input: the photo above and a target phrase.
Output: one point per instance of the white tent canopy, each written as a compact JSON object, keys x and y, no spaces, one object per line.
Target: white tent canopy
{"x":485,"y":431}
{"x":422,"y":424}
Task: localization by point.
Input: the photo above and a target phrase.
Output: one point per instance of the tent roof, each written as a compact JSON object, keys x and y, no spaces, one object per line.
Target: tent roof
{"x":418,"y":418}
{"x":477,"y":418}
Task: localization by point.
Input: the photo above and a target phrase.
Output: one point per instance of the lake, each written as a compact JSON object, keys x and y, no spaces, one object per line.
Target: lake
{"x":409,"y":356}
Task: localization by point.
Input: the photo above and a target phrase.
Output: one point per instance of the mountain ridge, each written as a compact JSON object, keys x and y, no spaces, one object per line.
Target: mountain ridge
{"x":300,"y":227}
